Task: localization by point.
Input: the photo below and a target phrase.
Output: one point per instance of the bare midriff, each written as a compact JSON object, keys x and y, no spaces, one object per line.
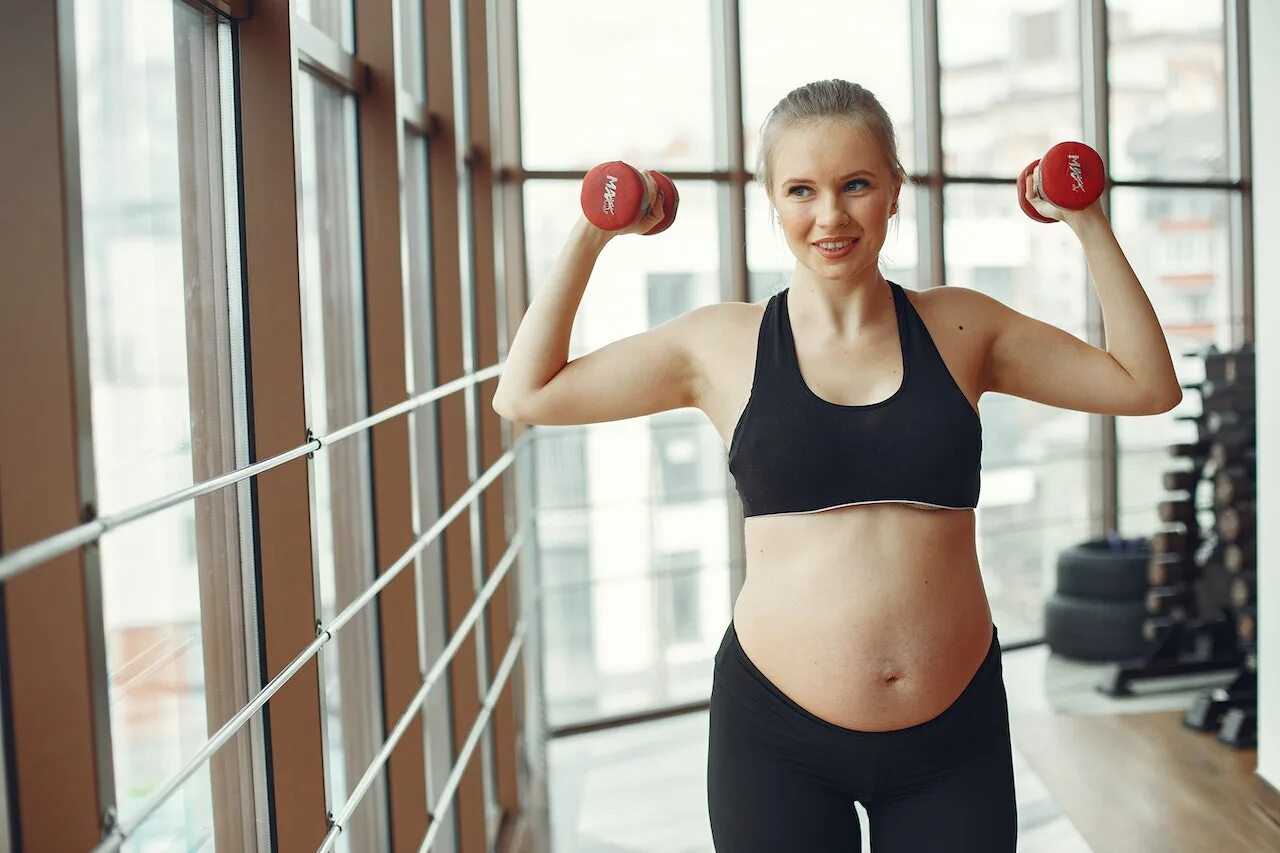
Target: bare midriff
{"x":872,"y":617}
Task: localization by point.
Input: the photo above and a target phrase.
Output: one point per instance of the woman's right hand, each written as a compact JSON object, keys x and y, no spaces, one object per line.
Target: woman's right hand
{"x":654,"y":203}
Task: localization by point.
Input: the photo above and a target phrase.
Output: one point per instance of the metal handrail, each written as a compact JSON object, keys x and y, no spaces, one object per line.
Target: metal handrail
{"x":433,"y":675}
{"x":124,"y":828}
{"x":44,"y":550}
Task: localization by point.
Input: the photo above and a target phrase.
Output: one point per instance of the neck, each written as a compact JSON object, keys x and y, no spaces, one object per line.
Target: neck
{"x":839,"y":306}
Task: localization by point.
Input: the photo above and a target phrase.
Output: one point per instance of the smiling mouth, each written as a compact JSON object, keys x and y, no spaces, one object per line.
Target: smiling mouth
{"x":839,"y":247}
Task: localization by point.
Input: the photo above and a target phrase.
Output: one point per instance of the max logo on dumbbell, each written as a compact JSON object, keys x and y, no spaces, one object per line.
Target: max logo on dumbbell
{"x":610,"y":193}
{"x":1077,"y":172}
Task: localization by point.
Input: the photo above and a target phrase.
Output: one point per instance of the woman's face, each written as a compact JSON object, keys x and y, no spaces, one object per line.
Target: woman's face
{"x":830,"y":181}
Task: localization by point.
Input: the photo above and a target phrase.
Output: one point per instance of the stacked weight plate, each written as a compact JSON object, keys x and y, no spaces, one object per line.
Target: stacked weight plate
{"x":1229,"y":562}
{"x":1200,"y":563}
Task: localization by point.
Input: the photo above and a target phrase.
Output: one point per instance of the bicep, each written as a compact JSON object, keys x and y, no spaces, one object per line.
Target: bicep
{"x":1037,"y":361}
{"x":648,"y":372}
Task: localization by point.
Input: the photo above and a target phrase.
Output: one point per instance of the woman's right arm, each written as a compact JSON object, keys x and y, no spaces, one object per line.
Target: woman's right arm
{"x":638,"y":375}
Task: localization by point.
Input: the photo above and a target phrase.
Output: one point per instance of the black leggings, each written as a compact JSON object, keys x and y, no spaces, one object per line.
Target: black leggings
{"x":780,"y":778}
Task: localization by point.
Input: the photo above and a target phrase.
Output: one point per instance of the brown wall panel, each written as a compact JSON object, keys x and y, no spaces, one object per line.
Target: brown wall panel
{"x":268,"y":64}
{"x":48,"y":692}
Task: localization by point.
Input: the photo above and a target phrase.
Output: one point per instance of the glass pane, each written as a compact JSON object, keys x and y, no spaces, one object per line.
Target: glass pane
{"x":1035,"y":468}
{"x":865,"y":43}
{"x":1019,"y":560}
{"x":334,"y":18}
{"x":134,"y":262}
{"x":627,"y":629}
{"x":640,"y":84}
{"x":424,"y":450}
{"x":335,"y":377}
{"x":589,"y":671}
{"x":1010,"y":84}
{"x":166,"y":370}
{"x":772,"y":262}
{"x":155,"y":662}
{"x":1168,"y":89}
{"x":411,"y":46}
{"x":1178,"y":242}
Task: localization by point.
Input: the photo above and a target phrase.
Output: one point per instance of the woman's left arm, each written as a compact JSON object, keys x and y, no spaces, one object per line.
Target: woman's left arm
{"x":1035,"y":360}
{"x":1134,"y":337}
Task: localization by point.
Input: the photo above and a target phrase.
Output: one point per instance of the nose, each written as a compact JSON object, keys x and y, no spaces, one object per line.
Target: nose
{"x":832,"y":214}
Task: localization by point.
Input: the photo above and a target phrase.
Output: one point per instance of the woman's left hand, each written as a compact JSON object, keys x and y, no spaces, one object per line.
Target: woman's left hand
{"x":1048,"y":209}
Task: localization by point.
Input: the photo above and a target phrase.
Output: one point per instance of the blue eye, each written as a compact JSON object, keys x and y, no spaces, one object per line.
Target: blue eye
{"x":849,"y":184}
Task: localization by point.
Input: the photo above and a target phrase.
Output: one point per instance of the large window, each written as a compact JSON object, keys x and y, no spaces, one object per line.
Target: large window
{"x":166,"y":363}
{"x":1011,"y":86}
{"x":240,"y":238}
{"x":786,"y":44}
{"x":1010,"y":83}
{"x":1179,"y":244}
{"x":1035,"y":458}
{"x":623,"y":493}
{"x":640,"y":78}
{"x":1166,"y":71}
{"x":335,"y":375}
{"x":424,"y":444}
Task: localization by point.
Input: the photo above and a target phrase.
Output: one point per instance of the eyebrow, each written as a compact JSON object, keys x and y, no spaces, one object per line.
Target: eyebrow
{"x":845,"y":178}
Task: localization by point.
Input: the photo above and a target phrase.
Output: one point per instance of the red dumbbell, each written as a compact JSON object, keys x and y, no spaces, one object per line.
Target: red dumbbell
{"x":1071,"y":176}
{"x":614,"y":196}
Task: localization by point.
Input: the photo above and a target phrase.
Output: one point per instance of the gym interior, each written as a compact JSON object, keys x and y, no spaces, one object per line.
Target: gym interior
{"x":320,"y":596}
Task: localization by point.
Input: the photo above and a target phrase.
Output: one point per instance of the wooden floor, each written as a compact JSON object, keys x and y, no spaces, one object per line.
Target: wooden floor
{"x":1144,"y":782}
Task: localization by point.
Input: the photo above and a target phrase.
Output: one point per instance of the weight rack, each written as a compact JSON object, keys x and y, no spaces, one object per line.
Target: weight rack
{"x":1202,"y":574}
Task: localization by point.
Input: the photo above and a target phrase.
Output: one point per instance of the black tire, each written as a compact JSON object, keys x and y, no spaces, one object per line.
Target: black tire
{"x":1088,"y":629}
{"x":1096,"y":569}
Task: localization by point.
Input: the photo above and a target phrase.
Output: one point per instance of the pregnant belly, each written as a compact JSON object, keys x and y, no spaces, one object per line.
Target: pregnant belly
{"x":876,"y":637}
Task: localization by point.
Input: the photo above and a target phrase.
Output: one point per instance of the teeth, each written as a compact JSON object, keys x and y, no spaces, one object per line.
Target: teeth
{"x":831,"y":247}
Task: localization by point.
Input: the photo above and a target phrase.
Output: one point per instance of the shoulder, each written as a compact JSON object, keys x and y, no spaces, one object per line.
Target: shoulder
{"x":731,"y":313}
{"x":959,"y":306}
{"x":717,"y":336}
{"x":719,"y":323}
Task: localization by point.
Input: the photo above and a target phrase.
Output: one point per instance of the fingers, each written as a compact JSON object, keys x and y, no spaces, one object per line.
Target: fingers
{"x":653,"y":198}
{"x":658,"y":210}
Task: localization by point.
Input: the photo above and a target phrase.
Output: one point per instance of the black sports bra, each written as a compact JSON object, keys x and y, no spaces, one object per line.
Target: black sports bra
{"x":794,"y":452}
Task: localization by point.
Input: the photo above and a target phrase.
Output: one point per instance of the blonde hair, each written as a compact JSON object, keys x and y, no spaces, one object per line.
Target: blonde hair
{"x":821,"y":100}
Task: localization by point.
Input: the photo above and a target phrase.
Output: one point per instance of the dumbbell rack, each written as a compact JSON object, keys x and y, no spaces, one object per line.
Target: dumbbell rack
{"x":1201,"y":578}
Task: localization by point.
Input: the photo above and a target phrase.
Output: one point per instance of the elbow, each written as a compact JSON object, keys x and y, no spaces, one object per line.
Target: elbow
{"x":511,"y":409}
{"x":504,"y":407}
{"x":504,"y":399}
{"x":1166,"y":401}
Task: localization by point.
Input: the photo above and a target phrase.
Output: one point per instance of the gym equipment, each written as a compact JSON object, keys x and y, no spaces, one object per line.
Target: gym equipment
{"x":1203,"y":568}
{"x":1096,"y":611}
{"x":1169,"y":569}
{"x":1070,"y":176}
{"x":1112,"y":570}
{"x":1239,"y":557}
{"x":614,"y":196}
{"x":1094,"y":629}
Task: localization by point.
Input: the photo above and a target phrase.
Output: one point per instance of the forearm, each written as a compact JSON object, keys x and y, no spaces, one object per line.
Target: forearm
{"x":540,"y":348}
{"x":1134,"y":337}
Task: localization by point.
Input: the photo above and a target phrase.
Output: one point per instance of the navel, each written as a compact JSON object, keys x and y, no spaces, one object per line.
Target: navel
{"x":892,"y":676}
